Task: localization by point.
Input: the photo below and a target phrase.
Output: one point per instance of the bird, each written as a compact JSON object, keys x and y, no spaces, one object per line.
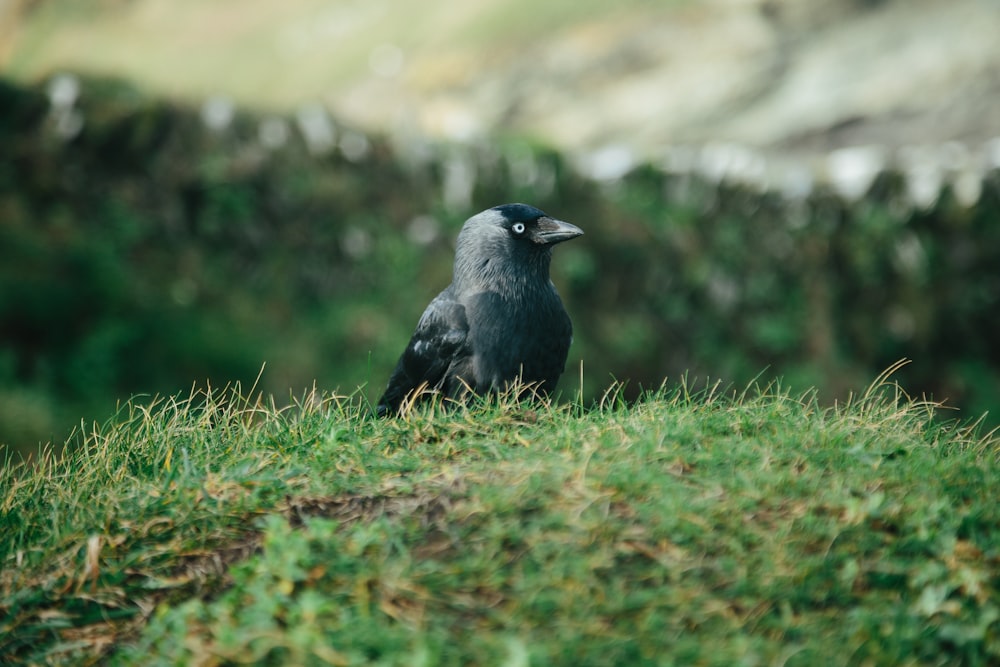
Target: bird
{"x":500,"y":323}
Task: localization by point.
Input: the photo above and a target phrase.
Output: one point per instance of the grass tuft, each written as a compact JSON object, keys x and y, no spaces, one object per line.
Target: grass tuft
{"x":697,"y":525}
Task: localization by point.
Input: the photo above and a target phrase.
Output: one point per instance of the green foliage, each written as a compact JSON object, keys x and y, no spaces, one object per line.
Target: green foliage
{"x":691,"y":527}
{"x":147,"y":253}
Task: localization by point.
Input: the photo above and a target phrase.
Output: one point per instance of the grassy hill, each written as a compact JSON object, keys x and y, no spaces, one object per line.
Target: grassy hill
{"x":691,"y":527}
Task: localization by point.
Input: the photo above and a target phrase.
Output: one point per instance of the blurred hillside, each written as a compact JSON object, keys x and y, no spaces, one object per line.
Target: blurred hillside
{"x":789,"y":77}
{"x":765,"y":190}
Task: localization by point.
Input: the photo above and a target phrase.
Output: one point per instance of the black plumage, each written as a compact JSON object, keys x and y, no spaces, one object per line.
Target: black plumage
{"x":500,"y":320}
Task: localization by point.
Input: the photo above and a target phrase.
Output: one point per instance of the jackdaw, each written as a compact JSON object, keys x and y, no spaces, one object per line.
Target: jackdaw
{"x":500,"y":321}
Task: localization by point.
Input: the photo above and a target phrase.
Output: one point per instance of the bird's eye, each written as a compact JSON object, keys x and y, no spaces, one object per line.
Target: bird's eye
{"x":517,"y":228}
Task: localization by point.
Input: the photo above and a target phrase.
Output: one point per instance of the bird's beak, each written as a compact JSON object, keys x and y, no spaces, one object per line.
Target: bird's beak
{"x":551,"y":231}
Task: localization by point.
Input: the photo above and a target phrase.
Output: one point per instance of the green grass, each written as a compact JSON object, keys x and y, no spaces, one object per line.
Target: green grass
{"x":688,"y":528}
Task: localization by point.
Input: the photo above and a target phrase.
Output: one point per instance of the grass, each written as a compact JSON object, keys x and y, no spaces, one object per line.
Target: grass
{"x":692,"y":527}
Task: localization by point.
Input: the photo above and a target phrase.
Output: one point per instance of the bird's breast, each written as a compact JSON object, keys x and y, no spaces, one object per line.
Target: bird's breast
{"x":518,"y":338}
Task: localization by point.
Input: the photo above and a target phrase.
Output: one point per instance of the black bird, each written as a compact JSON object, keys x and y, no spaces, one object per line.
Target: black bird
{"x":500,"y":321}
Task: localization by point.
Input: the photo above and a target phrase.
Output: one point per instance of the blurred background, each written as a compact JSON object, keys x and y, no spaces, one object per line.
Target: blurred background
{"x":194,"y":190}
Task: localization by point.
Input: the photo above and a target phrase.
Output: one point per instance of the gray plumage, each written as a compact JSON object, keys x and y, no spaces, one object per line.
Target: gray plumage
{"x":499,"y":321}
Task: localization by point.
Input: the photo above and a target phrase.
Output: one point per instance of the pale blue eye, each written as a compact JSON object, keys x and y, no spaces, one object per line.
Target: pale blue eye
{"x":517,"y":228}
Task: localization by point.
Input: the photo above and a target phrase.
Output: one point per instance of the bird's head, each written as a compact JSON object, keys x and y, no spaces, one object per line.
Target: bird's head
{"x":508,"y":243}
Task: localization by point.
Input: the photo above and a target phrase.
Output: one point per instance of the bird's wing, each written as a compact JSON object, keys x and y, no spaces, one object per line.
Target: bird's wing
{"x":435,"y":355}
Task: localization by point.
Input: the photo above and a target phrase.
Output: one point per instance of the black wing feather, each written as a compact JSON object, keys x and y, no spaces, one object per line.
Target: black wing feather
{"x":436,"y":356}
